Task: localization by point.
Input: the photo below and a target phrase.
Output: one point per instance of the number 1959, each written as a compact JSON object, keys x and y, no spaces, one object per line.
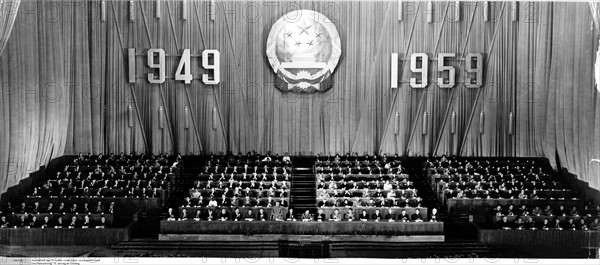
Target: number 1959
{"x":419,"y":64}
{"x":156,"y":61}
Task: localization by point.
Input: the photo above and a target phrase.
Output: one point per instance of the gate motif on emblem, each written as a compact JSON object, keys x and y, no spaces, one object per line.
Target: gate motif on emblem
{"x":303,"y":49}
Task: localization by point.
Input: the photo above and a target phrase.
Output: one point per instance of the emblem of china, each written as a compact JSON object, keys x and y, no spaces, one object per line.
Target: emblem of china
{"x":303,"y":49}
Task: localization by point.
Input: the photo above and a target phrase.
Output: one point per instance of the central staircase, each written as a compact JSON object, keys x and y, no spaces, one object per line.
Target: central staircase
{"x":303,"y":190}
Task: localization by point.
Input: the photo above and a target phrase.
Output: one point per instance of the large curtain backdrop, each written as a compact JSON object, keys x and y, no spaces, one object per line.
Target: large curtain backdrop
{"x":8,"y":13}
{"x":538,"y":66}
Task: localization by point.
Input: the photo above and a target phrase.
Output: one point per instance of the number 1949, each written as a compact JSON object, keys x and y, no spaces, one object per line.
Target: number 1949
{"x":156,"y":61}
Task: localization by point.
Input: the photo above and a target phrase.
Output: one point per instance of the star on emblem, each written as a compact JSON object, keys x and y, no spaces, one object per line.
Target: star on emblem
{"x":304,"y":29}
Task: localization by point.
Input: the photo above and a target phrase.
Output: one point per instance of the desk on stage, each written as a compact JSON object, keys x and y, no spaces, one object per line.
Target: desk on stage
{"x":328,"y":230}
{"x":64,"y":236}
{"x":540,"y":238}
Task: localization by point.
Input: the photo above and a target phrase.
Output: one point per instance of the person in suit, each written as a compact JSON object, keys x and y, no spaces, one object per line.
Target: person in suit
{"x":212,"y":202}
{"x":249,"y":216}
{"x":335,"y":216}
{"x":390,"y":216}
{"x":249,"y":202}
{"x":376,"y":216}
{"x":574,"y":212}
{"x":102,"y":223}
{"x":320,"y":215}
{"x":184,"y":215}
{"x":364,"y":216}
{"x":544,"y":225}
{"x":22,"y":221}
{"x":210,"y":215}
{"x":504,"y":223}
{"x":46,"y":222}
{"x":86,"y":222}
{"x":557,"y":224}
{"x":404,"y":217}
{"x":306,"y":216}
{"x":99,"y":208}
{"x":74,"y":223}
{"x":570,"y":224}
{"x":36,"y":208}
{"x":349,"y":215}
{"x":581,"y":225}
{"x":59,"y":223}
{"x":23,"y":208}
{"x":595,"y":225}
{"x":323,"y":203}
{"x":433,"y":217}
{"x":50,"y":209}
{"x":237,"y":215}
{"x":73,"y":208}
{"x":416,"y":217}
{"x":277,"y":213}
{"x":262,"y":215}
{"x":224,"y":216}
{"x":34,"y":223}
{"x":290,"y":215}
{"x":4,"y":223}
{"x":561,"y":211}
{"x":170,"y":215}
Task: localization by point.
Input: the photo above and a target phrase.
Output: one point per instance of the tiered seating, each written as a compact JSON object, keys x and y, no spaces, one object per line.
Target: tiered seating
{"x":523,"y":195}
{"x":523,"y":218}
{"x":238,"y":188}
{"x":360,"y":184}
{"x":96,"y":186}
{"x":111,"y":176}
{"x":497,"y":179}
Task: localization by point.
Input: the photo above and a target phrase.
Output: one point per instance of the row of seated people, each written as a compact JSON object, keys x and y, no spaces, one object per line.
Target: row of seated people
{"x":497,"y":179}
{"x":374,"y":212}
{"x":235,"y":201}
{"x":358,"y":178}
{"x":367,"y":193}
{"x":354,"y":159}
{"x":251,"y":163}
{"x":363,"y":184}
{"x":246,"y":169}
{"x":478,"y":183}
{"x":468,"y":172}
{"x":52,"y":187}
{"x":523,"y":223}
{"x":252,"y":184}
{"x":450,"y":166}
{"x":56,"y":221}
{"x":360,"y":169}
{"x":90,"y":180}
{"x":503,"y":193}
{"x":121,"y":159}
{"x":509,"y":179}
{"x":222,"y":177}
{"x":247,"y":192}
{"x":98,"y":192}
{"x":279,"y":214}
{"x":125,"y":172}
{"x":368,"y":202}
{"x":61,"y":208}
{"x":523,"y":210}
